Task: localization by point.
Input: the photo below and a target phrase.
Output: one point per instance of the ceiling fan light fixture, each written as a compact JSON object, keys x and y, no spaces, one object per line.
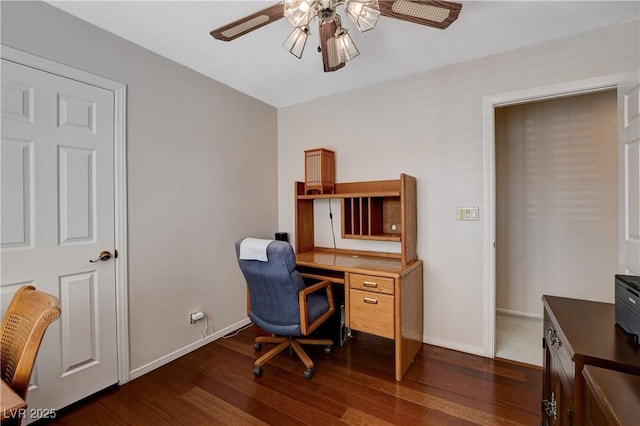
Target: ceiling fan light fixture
{"x":363,"y":13}
{"x":336,"y":46}
{"x":299,"y":12}
{"x":296,"y":41}
{"x":345,"y":48}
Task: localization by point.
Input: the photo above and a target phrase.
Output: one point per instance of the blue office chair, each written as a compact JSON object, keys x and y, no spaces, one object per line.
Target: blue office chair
{"x":279,"y":302}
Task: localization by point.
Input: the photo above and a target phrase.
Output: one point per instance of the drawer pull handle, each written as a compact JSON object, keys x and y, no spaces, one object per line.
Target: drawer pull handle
{"x":550,"y":408}
{"x":370,"y":284}
{"x":553,"y":338}
{"x":370,"y":300}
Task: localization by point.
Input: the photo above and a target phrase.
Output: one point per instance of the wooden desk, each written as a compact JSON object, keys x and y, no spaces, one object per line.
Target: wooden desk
{"x":613,"y":398}
{"x":11,"y":402}
{"x":579,"y":333}
{"x":382,"y":297}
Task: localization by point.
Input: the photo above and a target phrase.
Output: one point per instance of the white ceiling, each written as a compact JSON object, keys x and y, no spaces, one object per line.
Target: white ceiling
{"x":257,"y":65}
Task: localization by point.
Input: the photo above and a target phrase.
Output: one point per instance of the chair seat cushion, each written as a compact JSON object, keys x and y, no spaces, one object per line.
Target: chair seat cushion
{"x":317,"y":305}
{"x":277,"y":329}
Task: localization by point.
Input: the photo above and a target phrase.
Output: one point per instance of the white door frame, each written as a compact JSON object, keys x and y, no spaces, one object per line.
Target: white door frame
{"x":120,"y":183}
{"x":489,"y":103}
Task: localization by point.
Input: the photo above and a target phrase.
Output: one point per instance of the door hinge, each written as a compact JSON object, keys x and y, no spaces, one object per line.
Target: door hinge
{"x":544,"y":341}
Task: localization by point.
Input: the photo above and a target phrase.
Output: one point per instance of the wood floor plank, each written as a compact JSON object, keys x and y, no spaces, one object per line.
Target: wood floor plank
{"x":353,"y":385}
{"x":357,"y":417}
{"x":285,"y":402}
{"x":219,"y":411}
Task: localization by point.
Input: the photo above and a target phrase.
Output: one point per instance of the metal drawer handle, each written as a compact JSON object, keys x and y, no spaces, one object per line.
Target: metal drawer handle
{"x":370,"y":300}
{"x":553,"y":338}
{"x":370,"y":284}
{"x":550,"y":407}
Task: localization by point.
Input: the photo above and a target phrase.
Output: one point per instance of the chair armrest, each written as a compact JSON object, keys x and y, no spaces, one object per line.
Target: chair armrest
{"x":305,"y":327}
{"x":313,"y":288}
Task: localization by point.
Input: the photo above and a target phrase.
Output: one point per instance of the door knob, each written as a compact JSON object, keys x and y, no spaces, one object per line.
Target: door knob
{"x":104,"y":255}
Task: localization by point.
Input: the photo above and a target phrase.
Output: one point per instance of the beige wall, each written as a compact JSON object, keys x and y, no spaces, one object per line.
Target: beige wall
{"x":199,"y":177}
{"x":556,"y":200}
{"x":430,"y":125}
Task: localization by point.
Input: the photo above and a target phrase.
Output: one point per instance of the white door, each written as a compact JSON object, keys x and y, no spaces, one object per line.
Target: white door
{"x":57,"y":207}
{"x":629,"y":182}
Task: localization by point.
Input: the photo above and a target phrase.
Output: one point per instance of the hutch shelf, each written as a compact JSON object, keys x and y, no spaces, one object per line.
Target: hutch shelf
{"x":372,"y":210}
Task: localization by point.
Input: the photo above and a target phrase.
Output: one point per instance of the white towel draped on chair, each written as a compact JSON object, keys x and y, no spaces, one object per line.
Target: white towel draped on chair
{"x":254,"y":249}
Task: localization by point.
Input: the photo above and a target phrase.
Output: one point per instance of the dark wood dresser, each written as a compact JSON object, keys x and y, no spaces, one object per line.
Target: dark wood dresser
{"x":613,"y":397}
{"x":579,"y":333}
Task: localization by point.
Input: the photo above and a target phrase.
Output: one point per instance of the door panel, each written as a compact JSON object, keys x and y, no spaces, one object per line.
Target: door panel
{"x":629,"y":182}
{"x":79,"y":346}
{"x":17,"y":191}
{"x":57,"y":215}
{"x":76,"y":184}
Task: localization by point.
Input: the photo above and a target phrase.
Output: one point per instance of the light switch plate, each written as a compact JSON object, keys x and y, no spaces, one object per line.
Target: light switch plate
{"x":468,"y":213}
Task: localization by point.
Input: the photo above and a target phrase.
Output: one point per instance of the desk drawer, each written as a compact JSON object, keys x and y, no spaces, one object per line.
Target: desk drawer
{"x":371,"y":312}
{"x":372,"y":283}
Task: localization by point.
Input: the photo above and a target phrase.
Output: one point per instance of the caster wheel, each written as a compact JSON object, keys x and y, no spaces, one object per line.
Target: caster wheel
{"x":257,"y":346}
{"x":327,"y":349}
{"x":308,"y":374}
{"x":257,"y":371}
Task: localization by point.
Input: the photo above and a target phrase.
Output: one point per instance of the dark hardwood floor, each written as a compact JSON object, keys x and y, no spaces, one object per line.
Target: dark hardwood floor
{"x":355,"y":384}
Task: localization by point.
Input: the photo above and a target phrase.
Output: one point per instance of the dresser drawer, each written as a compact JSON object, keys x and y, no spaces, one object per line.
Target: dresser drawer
{"x":371,"y":312}
{"x":372,"y":283}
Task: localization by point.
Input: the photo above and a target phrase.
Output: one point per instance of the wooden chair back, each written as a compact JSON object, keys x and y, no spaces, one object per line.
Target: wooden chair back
{"x":23,"y":326}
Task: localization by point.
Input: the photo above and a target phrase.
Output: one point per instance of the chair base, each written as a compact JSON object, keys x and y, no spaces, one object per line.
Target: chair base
{"x":283,"y":343}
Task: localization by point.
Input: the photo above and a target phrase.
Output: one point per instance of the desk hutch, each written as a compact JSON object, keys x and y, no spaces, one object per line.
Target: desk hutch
{"x":383,"y":291}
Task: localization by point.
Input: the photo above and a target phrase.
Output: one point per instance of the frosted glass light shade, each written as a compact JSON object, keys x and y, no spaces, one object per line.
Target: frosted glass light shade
{"x":296,"y":41}
{"x":363,"y":13}
{"x":299,"y":12}
{"x":345,"y":47}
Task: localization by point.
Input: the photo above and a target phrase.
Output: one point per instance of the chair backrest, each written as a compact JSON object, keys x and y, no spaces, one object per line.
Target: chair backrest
{"x":273,"y":289}
{"x":23,"y":325}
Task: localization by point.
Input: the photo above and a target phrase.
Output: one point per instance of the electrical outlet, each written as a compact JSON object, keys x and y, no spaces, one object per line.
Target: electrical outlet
{"x":196,"y":316}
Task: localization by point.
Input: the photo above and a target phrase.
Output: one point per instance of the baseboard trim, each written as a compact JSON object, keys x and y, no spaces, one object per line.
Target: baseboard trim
{"x":470,"y":349}
{"x":133,"y":374}
{"x":518,"y":313}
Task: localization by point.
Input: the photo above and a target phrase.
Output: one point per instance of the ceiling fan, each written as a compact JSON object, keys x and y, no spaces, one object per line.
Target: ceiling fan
{"x":336,"y":45}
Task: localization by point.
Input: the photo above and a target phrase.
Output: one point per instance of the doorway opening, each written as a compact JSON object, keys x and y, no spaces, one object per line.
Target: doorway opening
{"x":572,"y":196}
{"x":556,"y":211}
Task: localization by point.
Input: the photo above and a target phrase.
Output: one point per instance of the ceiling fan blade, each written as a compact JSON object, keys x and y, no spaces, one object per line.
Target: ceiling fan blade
{"x":437,"y":14}
{"x":249,"y":23}
{"x":328,"y":47}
